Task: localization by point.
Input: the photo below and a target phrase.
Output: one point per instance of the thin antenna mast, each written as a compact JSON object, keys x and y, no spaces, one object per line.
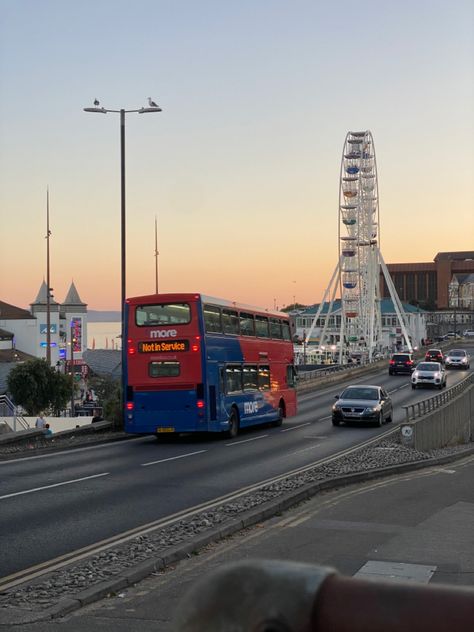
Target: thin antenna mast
{"x":156,"y":256}
{"x":48,"y":283}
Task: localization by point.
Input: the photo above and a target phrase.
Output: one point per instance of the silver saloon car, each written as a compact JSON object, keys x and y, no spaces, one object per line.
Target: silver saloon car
{"x":430,"y":374}
{"x":362,"y":403}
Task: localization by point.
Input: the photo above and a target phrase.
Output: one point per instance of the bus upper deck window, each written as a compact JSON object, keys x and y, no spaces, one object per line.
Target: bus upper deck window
{"x":162,"y":314}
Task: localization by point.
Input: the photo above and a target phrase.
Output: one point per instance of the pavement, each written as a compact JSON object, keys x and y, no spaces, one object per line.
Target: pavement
{"x":415,"y":525}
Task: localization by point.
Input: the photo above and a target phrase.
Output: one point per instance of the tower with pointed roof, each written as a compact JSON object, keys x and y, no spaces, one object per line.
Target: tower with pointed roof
{"x":39,"y":311}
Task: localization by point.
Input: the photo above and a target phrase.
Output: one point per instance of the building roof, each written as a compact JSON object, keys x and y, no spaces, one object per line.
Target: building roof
{"x":455,"y":256}
{"x":464,"y":279}
{"x":386,"y":307}
{"x":9,"y":358}
{"x":73,"y":297}
{"x":104,"y":361}
{"x":11,"y":312}
{"x":42,"y":298}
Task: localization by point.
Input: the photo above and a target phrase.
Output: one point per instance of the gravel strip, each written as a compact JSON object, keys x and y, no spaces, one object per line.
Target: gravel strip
{"x":40,"y":445}
{"x":102,"y":567}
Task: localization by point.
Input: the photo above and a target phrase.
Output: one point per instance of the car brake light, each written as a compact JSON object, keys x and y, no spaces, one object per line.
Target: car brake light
{"x":392,"y":361}
{"x":409,"y":362}
{"x":131,"y":348}
{"x":200,"y":403}
{"x":130,"y":405}
{"x":195,"y":345}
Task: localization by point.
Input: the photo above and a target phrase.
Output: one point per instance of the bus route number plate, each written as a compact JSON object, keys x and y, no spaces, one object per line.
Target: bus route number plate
{"x":165,"y":429}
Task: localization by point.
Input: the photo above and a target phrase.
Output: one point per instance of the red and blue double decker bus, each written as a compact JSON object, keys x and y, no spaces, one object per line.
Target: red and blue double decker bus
{"x":201,"y":364}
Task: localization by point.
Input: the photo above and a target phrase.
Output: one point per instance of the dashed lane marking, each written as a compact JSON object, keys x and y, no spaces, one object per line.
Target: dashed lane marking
{"x":172,"y":458}
{"x":39,"y":489}
{"x":296,"y":427}
{"x":230,"y":445}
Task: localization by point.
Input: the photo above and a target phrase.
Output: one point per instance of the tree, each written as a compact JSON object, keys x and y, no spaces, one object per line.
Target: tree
{"x":36,"y":387}
{"x":108,"y":391}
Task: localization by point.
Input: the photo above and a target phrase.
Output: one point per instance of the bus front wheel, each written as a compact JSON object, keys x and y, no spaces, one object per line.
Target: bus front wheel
{"x":233,"y":424}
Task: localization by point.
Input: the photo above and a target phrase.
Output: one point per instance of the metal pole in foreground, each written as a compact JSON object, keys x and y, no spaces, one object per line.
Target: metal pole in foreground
{"x":123,"y":256}
{"x":73,"y":412}
{"x":153,"y":107}
{"x":48,"y":283}
{"x":282,"y":596}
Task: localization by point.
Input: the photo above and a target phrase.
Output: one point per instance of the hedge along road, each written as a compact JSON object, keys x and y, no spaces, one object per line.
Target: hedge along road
{"x":58,"y":503}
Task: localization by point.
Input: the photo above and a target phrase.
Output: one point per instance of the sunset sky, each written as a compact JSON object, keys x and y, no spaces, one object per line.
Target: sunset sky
{"x":242,"y":166}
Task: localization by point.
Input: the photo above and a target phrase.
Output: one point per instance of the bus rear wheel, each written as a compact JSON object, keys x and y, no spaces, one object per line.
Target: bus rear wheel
{"x":233,"y":424}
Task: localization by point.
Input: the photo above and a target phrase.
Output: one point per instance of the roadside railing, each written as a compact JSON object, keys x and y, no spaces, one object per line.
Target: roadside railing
{"x":315,"y":373}
{"x":8,"y":412}
{"x":282,"y":596}
{"x":420,"y":409}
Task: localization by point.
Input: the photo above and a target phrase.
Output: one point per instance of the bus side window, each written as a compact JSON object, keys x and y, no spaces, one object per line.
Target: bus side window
{"x":264,"y":378}
{"x":247,"y":324}
{"x":261,"y":325}
{"x":230,"y":322}
{"x":285,"y":325}
{"x":250,"y":377}
{"x":275,"y":328}
{"x":212,"y":319}
{"x":291,"y":375}
{"x":233,"y":378}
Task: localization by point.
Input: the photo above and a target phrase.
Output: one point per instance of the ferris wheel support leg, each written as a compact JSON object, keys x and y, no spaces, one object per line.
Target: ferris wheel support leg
{"x":321,"y":305}
{"x":396,"y":302}
{"x":374,"y":304}
{"x":322,"y":338}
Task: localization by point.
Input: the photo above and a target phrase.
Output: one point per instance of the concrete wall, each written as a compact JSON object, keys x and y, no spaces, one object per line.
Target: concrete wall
{"x":57,"y":424}
{"x":446,"y":426}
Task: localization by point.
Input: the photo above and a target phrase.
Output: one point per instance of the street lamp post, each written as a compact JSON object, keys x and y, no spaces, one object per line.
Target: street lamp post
{"x":153,"y":107}
{"x":72,"y":372}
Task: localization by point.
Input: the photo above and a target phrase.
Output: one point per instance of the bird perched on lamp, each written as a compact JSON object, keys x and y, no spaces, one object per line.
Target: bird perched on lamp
{"x":151,"y":103}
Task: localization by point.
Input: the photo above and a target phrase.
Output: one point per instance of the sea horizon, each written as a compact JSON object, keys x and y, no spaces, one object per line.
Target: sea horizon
{"x":104,"y":335}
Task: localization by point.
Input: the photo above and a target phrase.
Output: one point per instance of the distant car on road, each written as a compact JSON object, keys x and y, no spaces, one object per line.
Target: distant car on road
{"x":401,"y":363}
{"x":362,"y":403}
{"x":469,"y":333}
{"x":434,"y":355}
{"x":429,"y":374}
{"x":457,"y":359}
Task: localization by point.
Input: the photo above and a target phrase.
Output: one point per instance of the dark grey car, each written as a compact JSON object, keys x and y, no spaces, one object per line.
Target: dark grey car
{"x":363,"y":403}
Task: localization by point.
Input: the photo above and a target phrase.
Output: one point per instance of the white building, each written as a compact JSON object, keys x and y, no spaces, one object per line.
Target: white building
{"x":391,"y":330}
{"x":29,"y":329}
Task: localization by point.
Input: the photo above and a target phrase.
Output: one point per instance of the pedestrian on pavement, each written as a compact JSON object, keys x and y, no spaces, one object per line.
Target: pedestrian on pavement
{"x":40,"y":422}
{"x":47,"y":431}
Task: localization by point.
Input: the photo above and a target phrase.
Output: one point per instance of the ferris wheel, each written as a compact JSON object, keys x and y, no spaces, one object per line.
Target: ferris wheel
{"x":358,"y":245}
{"x":360,"y":263}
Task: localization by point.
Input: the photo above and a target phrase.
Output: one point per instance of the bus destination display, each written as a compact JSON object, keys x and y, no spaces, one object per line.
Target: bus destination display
{"x":163,"y":347}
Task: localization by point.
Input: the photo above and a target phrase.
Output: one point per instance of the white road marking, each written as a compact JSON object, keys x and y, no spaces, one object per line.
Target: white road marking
{"x":229,"y":445}
{"x":304,"y":450}
{"x":173,"y":458}
{"x":75,"y":450}
{"x":296,"y":427}
{"x":39,"y":489}
{"x":399,"y":388}
{"x":324,"y":418}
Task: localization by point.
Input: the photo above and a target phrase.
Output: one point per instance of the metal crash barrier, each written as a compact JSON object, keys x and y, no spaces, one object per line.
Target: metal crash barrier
{"x":279,"y":596}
